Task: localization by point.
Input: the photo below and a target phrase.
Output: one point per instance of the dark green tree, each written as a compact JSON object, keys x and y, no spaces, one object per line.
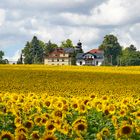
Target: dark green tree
{"x":130,"y":56}
{"x":20,"y":60}
{"x":1,"y":54}
{"x":49,"y":47}
{"x":33,"y":51}
{"x":3,"y":61}
{"x":67,"y":44}
{"x":112,"y":49}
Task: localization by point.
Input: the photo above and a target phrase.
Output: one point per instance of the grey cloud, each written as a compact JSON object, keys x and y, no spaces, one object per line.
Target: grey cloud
{"x":87,"y":20}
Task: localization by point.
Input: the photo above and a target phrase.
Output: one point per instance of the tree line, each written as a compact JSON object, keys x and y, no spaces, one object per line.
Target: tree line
{"x":36,"y":50}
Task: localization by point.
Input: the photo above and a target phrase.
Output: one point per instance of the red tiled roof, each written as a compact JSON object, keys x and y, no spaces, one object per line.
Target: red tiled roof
{"x":95,"y":51}
{"x":56,"y":53}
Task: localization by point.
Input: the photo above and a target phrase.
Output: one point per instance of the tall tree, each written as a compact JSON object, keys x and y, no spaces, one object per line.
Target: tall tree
{"x":130,"y":56}
{"x":112,"y":49}
{"x":67,"y":44}
{"x":3,"y":61}
{"x":49,"y":47}
{"x":1,"y":54}
{"x":33,"y":51}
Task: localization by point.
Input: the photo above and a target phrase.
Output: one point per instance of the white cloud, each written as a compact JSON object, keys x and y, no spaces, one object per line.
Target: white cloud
{"x":2,"y":16}
{"x":87,"y":20}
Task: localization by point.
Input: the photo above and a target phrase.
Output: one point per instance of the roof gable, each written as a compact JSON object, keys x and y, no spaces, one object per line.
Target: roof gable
{"x":94,"y":51}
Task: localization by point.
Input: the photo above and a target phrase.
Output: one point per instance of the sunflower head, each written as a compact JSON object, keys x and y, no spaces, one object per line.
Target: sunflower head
{"x":126,"y":130}
{"x":28,"y":124}
{"x":138,"y":115}
{"x":21,"y":136}
{"x":80,"y":126}
{"x":49,"y":137}
{"x":50,"y":127}
{"x":5,"y":135}
{"x":58,"y":113}
{"x":21,"y":129}
{"x":35,"y":135}
{"x":105,"y":132}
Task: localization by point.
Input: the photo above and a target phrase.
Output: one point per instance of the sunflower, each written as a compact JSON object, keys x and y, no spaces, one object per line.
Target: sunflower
{"x":35,"y":135}
{"x":21,"y":136}
{"x":58,"y":114}
{"x":58,"y":104}
{"x":49,"y":137}
{"x":92,"y":96}
{"x":114,"y":121}
{"x":105,"y":132}
{"x":126,"y":130}
{"x":65,"y":129}
{"x":105,"y":98}
{"x":138,"y":115}
{"x":122,"y":112}
{"x":21,"y":129}
{"x":82,"y":108}
{"x":112,"y":108}
{"x":28,"y":124}
{"x":99,"y":136}
{"x":137,"y":128}
{"x":80,"y":126}
{"x":38,"y":120}
{"x":44,"y":120}
{"x":48,"y":103}
{"x":50,"y":126}
{"x":5,"y":135}
{"x":74,"y":104}
{"x":18,"y":121}
{"x":58,"y":123}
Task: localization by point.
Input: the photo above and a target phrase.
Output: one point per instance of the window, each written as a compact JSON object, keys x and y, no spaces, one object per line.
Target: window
{"x":96,"y":62}
{"x":57,"y":60}
{"x":62,"y":60}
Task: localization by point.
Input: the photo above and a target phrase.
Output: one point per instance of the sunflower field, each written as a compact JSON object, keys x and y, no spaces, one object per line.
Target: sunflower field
{"x":69,"y":103}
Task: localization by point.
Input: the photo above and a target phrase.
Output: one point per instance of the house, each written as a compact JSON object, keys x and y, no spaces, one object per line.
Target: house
{"x":94,"y":57}
{"x":60,"y":56}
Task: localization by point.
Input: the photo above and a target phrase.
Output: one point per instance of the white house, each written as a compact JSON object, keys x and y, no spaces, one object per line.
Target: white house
{"x":94,"y":57}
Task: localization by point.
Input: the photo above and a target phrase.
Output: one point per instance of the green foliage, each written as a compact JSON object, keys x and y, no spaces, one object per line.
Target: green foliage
{"x":49,"y":47}
{"x":20,"y":60}
{"x":112,"y":49}
{"x":130,"y":56}
{"x":96,"y":122}
{"x":33,"y":51}
{"x":3,"y":61}
{"x":7,"y":122}
{"x":1,"y":55}
{"x":67,"y":44}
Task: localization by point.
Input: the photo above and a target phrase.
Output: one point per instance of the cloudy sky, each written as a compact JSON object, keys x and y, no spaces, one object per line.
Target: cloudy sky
{"x":57,"y":20}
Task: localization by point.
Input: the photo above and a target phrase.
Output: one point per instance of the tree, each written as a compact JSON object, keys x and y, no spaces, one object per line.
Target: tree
{"x":49,"y":47}
{"x":112,"y":49}
{"x":20,"y":60}
{"x":1,"y":55}
{"x":33,"y":51}
{"x":67,"y":44}
{"x":3,"y":61}
{"x":130,"y":56}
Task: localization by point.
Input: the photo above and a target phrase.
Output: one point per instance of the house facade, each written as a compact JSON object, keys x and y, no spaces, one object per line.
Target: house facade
{"x":94,"y":57}
{"x":60,"y":56}
{"x":65,"y":56}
